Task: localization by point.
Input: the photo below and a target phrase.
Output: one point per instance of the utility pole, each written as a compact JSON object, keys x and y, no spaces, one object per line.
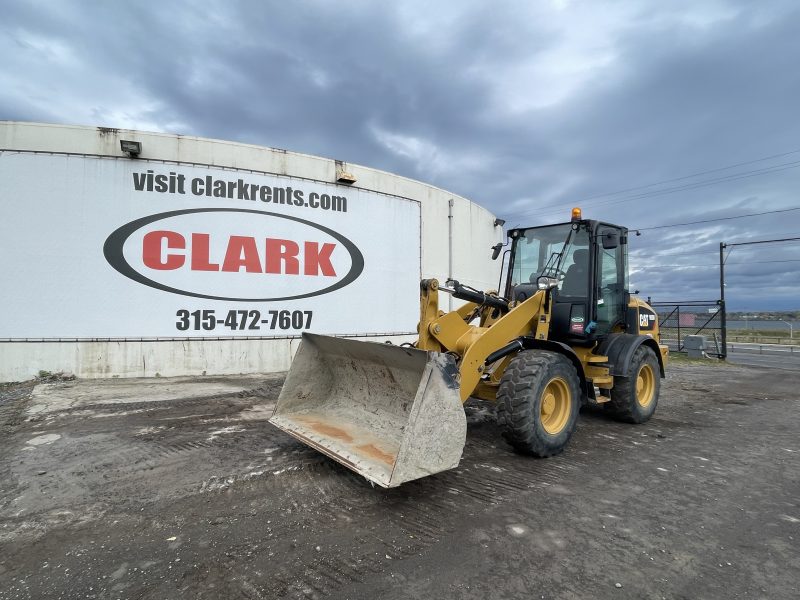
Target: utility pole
{"x":722,"y":246}
{"x":723,"y":317}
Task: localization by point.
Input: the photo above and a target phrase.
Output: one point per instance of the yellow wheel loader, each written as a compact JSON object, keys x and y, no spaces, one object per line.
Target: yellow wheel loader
{"x":565,"y":332}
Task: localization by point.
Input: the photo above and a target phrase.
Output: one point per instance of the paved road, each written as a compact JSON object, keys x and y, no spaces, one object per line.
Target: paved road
{"x":773,"y":356}
{"x":762,"y":355}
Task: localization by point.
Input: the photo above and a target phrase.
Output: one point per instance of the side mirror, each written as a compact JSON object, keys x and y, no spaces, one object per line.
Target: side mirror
{"x":496,"y":250}
{"x":610,"y":240}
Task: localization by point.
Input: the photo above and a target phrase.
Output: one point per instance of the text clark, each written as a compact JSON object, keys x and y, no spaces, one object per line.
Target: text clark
{"x":168,"y":250}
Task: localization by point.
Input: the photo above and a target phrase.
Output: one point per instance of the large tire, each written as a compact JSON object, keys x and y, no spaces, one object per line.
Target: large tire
{"x":634,"y":398}
{"x":538,"y":402}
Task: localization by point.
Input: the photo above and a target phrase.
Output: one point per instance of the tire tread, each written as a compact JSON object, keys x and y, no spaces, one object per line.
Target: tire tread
{"x":526,"y":372}
{"x":623,"y":405}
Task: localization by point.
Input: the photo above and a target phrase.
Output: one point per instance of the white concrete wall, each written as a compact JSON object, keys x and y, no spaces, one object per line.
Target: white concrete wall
{"x":473,"y":235}
{"x":23,"y":360}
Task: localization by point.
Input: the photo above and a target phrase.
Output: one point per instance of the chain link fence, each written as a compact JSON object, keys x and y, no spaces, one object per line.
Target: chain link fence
{"x":677,"y":320}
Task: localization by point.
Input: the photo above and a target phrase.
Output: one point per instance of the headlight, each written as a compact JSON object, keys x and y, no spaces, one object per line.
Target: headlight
{"x":546,"y":283}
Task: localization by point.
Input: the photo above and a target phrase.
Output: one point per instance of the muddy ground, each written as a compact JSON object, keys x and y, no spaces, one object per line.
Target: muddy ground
{"x":179,"y":488}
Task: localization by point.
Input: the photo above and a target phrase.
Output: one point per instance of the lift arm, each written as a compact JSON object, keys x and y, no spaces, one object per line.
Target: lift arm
{"x":449,"y":332}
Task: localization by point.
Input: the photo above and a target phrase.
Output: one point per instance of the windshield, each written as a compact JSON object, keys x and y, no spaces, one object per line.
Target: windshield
{"x":544,"y":251}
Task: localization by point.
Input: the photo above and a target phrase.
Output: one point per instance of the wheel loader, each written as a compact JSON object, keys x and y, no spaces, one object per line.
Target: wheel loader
{"x":565,"y":332}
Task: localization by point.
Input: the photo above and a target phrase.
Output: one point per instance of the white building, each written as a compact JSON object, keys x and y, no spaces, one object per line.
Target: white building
{"x":204,"y":256}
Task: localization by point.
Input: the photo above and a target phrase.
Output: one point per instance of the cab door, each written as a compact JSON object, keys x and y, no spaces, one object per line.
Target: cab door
{"x":611,"y":278}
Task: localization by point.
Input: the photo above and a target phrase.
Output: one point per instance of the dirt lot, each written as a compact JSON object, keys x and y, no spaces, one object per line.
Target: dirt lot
{"x":179,"y":488}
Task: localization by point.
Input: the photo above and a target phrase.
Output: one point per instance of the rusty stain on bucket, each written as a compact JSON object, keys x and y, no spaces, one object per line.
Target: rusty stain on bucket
{"x":325,"y":429}
{"x":373,"y":451}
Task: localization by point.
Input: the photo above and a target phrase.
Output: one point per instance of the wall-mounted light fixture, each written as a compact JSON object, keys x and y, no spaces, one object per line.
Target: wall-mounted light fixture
{"x":342,"y":174}
{"x":131,"y":148}
{"x":499,"y":222}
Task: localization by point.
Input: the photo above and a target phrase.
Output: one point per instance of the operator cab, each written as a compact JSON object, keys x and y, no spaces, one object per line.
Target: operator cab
{"x":585,"y":265}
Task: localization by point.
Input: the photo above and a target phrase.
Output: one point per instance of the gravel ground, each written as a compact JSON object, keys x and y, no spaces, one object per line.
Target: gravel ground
{"x":179,"y":488}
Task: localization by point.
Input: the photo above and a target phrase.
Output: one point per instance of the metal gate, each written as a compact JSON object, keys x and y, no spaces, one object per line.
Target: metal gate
{"x":676,"y":320}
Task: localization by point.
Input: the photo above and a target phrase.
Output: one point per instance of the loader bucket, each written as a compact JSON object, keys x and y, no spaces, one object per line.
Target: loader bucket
{"x":389,"y":413}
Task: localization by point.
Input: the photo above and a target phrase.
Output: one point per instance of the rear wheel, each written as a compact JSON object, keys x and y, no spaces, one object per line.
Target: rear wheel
{"x":538,"y":401}
{"x":634,"y":398}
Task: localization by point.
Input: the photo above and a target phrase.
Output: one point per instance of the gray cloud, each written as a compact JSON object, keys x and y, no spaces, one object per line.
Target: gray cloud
{"x":528,"y":110}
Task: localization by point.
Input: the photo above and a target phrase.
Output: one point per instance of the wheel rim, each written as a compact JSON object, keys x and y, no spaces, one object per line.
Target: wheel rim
{"x":556,"y":406}
{"x":645,"y":386}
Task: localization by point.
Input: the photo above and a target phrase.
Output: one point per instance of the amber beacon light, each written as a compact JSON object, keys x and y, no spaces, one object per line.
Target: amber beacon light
{"x":576,"y":214}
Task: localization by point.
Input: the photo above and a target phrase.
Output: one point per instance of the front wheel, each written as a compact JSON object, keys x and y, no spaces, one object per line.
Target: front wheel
{"x":538,"y":401}
{"x":634,"y":398}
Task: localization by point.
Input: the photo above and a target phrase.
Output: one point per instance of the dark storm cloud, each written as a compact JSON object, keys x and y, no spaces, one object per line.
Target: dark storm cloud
{"x":525,"y":109}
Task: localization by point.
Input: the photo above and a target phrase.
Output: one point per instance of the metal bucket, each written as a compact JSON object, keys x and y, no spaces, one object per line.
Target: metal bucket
{"x":389,"y":413}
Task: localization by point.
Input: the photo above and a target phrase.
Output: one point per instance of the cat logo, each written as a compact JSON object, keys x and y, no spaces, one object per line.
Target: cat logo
{"x":647,"y":319}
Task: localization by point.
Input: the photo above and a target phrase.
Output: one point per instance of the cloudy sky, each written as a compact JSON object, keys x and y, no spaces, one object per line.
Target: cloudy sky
{"x":643,"y":113}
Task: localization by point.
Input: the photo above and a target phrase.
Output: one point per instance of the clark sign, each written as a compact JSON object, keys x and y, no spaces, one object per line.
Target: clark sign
{"x":114,"y":248}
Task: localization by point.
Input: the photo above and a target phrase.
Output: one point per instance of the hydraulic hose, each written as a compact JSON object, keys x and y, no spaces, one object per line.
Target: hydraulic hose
{"x":464,"y":293}
{"x":513,"y":346}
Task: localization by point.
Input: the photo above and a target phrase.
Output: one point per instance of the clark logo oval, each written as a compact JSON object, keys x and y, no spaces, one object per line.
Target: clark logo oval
{"x":234,"y":254}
